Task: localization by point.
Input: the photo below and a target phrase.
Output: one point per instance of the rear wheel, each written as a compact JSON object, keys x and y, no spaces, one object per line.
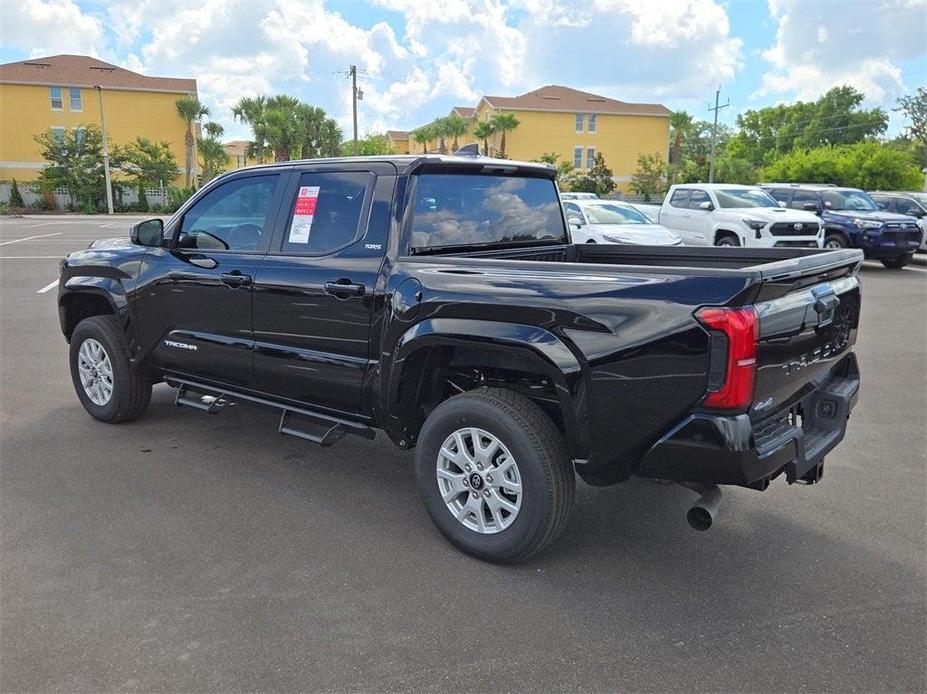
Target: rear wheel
{"x":109,"y":388}
{"x":898,"y":262}
{"x":835,"y":242}
{"x":494,"y":474}
{"x":727,"y":240}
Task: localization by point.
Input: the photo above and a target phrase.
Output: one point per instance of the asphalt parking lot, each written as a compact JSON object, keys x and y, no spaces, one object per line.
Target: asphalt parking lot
{"x":187,"y":552}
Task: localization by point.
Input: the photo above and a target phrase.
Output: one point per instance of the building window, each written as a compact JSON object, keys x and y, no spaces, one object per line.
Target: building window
{"x":579,"y":122}
{"x":57,"y":134}
{"x":57,"y":102}
{"x":577,"y":157}
{"x":74,"y":93}
{"x":592,"y":122}
{"x":590,"y":157}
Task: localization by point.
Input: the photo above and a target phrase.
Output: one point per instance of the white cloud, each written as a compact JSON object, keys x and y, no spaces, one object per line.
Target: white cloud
{"x":820,"y":44}
{"x":48,"y":27}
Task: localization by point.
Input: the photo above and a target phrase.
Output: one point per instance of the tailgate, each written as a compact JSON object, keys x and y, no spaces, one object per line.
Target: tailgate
{"x":805,"y":333}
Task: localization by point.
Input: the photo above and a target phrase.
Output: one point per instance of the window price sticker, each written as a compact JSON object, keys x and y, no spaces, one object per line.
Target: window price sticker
{"x":303,"y":214}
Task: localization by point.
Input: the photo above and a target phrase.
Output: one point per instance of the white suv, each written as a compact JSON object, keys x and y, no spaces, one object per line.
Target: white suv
{"x":723,"y":214}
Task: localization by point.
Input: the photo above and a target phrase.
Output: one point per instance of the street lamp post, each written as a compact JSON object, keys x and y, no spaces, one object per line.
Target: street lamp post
{"x":106,"y":174}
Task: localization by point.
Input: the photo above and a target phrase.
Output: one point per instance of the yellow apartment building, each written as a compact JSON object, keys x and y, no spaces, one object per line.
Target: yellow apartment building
{"x":63,"y":92}
{"x":398,"y":141}
{"x":576,"y":125}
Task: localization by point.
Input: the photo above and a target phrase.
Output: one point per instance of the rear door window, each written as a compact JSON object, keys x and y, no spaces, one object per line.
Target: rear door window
{"x":680,"y":198}
{"x":457,"y":210}
{"x":327,"y":213}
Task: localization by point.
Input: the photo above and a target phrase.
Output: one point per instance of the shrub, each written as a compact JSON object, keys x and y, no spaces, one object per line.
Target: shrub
{"x":177,"y":197}
{"x":16,"y":198}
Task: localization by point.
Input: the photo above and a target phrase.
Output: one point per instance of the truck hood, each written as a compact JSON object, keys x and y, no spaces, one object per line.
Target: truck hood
{"x":114,"y":252}
{"x":772,"y":214}
{"x":640,"y":234}
{"x":874,"y":215}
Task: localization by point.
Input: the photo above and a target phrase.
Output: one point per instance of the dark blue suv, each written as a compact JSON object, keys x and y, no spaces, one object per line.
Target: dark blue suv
{"x":853,"y":220}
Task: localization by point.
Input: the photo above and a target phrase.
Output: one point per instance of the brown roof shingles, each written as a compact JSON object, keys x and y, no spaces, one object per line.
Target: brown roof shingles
{"x":84,"y":71}
{"x":556,"y":98}
{"x":465,"y":111}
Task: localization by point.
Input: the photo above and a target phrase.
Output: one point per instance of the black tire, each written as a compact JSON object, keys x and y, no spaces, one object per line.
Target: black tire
{"x":898,"y":262}
{"x":835,"y":241}
{"x":727,"y":239}
{"x":131,"y":392}
{"x":548,"y":483}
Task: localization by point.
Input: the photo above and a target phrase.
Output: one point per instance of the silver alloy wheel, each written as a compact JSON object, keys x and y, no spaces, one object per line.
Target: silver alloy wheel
{"x":96,"y":371}
{"x":479,"y":480}
{"x":833,"y":244}
{"x":726,"y":241}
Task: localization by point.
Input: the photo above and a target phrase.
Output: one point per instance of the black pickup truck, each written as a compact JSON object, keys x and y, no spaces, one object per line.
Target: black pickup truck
{"x":440,"y":300}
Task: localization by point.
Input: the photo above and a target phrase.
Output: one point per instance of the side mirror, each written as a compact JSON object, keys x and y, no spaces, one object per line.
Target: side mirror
{"x":147,"y":233}
{"x":706,"y":206}
{"x":575,"y":222}
{"x":782,"y":203}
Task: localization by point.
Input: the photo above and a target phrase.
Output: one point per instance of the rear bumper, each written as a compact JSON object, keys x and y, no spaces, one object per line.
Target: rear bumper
{"x":714,"y":449}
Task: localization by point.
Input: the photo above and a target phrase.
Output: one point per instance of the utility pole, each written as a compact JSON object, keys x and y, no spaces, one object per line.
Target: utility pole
{"x":714,"y":134}
{"x":106,"y":174}
{"x":352,"y":70}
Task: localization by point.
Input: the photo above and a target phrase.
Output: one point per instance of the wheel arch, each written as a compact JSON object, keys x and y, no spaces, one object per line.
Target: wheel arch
{"x":76,"y":305}
{"x":415,"y":381}
{"x":723,"y":231}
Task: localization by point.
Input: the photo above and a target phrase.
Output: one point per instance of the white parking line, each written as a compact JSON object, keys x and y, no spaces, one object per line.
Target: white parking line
{"x":29,"y":238}
{"x":48,"y":287}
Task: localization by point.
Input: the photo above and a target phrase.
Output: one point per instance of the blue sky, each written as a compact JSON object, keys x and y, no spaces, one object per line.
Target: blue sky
{"x":420,"y":58}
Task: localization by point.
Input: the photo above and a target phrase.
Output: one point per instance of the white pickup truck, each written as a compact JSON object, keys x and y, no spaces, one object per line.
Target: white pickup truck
{"x":723,"y":214}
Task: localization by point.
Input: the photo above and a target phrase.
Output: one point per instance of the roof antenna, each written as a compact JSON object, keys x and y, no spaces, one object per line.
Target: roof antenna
{"x":471,"y":150}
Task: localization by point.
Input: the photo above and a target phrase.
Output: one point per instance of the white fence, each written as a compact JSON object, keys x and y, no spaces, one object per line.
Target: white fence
{"x":32,"y":194}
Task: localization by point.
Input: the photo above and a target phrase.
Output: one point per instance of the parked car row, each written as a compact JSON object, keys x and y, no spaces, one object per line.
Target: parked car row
{"x":886,"y":226}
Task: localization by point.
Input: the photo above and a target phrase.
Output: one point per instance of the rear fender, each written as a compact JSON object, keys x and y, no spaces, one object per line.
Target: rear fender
{"x":539,"y":351}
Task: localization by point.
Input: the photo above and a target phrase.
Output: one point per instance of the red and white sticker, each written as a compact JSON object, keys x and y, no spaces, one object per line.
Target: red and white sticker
{"x":303,"y":214}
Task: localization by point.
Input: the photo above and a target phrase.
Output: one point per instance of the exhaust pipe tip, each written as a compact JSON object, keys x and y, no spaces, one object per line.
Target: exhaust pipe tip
{"x":701,"y":515}
{"x":699,"y":518}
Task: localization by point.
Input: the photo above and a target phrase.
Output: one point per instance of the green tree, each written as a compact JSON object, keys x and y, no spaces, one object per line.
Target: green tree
{"x":914,"y":108}
{"x":317,"y":134}
{"x":680,"y":123}
{"x":74,"y":161}
{"x":372,"y":144}
{"x":213,"y":157}
{"x":423,"y":135}
{"x":213,"y":130}
{"x":16,"y":198}
{"x":833,"y":119}
{"x":250,"y":110}
{"x":504,"y":123}
{"x":564,"y":168}
{"x":456,"y":126}
{"x":150,"y":163}
{"x":650,"y":178}
{"x":190,"y":109}
{"x":483,"y":131}
{"x":599,"y":179}
{"x":867,"y":165}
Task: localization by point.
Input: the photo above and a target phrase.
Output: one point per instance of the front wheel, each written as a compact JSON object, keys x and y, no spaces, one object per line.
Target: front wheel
{"x":494,"y":474}
{"x":835,"y":242}
{"x":727,"y":240}
{"x":898,"y":262}
{"x":109,"y":388}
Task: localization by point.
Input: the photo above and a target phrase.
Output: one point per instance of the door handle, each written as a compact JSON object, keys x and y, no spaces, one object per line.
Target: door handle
{"x":235,"y":279}
{"x":343,"y":289}
{"x":203,"y":262}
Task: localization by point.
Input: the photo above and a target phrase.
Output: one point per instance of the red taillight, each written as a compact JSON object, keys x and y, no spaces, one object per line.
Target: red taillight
{"x":741,"y":327}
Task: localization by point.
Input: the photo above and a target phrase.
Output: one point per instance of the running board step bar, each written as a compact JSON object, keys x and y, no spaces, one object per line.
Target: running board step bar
{"x":318,"y":427}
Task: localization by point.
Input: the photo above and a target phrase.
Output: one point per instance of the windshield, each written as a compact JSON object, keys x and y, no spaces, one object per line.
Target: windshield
{"x":614,"y":214}
{"x":454,"y":210}
{"x":745,"y":197}
{"x":848,"y":200}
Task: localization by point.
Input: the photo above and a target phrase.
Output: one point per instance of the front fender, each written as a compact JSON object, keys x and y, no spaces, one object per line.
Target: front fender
{"x":540,"y":350}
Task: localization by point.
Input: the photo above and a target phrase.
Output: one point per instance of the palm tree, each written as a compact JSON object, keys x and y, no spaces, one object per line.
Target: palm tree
{"x":680,"y":122}
{"x":251,"y":111}
{"x":455,"y":125}
{"x":439,"y":129}
{"x":213,"y":155}
{"x":214,"y":130}
{"x":190,"y":109}
{"x":483,"y":131}
{"x":503,"y":123}
{"x":329,"y":138}
{"x":423,"y":135}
